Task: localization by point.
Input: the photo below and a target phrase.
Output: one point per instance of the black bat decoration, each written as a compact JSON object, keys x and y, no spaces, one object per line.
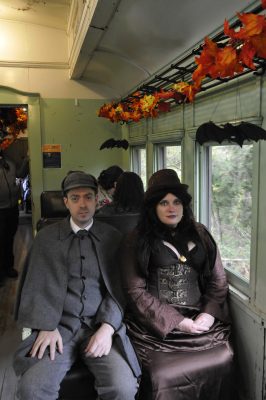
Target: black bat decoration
{"x":209,"y":132}
{"x":111,"y":143}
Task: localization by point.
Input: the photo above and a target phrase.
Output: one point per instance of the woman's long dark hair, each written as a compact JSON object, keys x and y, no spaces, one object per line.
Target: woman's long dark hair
{"x":151,"y":231}
{"x":129,"y":192}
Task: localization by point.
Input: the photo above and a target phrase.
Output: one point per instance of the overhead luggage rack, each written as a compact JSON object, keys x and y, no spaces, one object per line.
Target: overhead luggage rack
{"x":182,"y":80}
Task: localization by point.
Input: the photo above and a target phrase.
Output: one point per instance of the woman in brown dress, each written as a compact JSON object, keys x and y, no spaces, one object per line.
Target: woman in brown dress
{"x":176,"y":288}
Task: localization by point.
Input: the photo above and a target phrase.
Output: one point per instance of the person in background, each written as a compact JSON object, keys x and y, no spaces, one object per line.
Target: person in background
{"x":71,"y":300}
{"x":9,"y":213}
{"x":106,"y":184}
{"x":175,"y":284}
{"x":128,"y":195}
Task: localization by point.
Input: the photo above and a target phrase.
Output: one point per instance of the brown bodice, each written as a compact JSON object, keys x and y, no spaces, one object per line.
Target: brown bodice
{"x":178,"y":284}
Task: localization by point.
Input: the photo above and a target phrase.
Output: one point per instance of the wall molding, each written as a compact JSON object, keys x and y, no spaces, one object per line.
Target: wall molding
{"x":35,"y":64}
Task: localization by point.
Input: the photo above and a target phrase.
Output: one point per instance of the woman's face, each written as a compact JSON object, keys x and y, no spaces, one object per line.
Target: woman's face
{"x":169,"y":210}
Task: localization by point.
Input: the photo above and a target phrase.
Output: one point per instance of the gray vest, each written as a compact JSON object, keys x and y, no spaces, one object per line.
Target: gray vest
{"x":86,"y":289}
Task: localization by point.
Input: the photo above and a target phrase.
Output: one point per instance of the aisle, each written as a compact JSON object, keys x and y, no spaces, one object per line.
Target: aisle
{"x":9,"y":333}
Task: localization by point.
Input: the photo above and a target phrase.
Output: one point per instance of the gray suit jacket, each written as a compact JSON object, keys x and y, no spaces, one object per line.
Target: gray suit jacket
{"x":44,"y":282}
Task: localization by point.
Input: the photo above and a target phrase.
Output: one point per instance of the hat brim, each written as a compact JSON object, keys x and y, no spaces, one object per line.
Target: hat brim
{"x":180,"y":190}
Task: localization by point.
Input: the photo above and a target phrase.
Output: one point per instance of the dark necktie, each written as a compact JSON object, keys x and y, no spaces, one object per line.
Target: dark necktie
{"x":82,"y":233}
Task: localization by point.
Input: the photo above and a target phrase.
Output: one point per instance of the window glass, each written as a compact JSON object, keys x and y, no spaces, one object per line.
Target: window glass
{"x":169,"y":156}
{"x":138,"y":162}
{"x":230,"y":175}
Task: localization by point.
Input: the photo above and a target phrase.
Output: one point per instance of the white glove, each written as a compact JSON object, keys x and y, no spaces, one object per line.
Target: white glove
{"x":189,"y":326}
{"x":205,"y":320}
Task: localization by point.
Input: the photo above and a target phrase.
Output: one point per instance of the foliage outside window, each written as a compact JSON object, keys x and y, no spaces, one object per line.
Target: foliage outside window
{"x":230,"y":178}
{"x":169,"y":156}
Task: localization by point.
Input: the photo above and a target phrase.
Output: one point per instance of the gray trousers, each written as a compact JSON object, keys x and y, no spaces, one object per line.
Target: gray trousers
{"x":114,"y":379}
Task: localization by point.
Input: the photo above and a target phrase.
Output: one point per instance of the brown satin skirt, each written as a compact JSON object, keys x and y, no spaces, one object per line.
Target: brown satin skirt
{"x":185,"y":366}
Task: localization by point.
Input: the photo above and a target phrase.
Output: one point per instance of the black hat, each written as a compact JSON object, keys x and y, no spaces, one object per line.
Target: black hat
{"x":76,"y":179}
{"x":166,"y":181}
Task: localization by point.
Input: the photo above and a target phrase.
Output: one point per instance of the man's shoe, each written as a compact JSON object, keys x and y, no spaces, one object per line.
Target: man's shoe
{"x":12,"y":273}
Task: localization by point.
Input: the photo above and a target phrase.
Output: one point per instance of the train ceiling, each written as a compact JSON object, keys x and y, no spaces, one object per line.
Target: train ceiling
{"x":129,"y":41}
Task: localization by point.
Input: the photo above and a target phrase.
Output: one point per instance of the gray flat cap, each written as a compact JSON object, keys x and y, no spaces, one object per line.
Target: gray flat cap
{"x":77,"y":179}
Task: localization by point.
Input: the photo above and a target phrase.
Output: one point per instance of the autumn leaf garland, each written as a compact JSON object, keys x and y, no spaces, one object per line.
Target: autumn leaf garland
{"x":215,"y":61}
{"x":12,"y":123}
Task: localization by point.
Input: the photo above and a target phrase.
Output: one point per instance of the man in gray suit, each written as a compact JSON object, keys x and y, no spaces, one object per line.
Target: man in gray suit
{"x":70,"y":298}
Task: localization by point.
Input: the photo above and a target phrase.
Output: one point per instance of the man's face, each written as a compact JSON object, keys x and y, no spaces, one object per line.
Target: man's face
{"x":81,"y":203}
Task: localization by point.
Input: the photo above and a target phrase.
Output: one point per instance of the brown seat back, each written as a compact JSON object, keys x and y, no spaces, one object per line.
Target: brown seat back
{"x":53,"y":208}
{"x":123,"y":222}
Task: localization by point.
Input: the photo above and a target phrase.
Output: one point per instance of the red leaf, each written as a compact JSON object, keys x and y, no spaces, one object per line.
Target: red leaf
{"x":246,"y":55}
{"x":163,"y":106}
{"x":179,"y":97}
{"x":259,"y":43}
{"x":163,"y":94}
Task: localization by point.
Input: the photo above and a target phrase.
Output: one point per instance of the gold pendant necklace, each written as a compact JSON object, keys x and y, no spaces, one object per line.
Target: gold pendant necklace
{"x":182,"y":259}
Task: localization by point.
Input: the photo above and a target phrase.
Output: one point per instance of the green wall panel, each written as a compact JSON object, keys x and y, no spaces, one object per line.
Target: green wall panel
{"x":80,"y":132}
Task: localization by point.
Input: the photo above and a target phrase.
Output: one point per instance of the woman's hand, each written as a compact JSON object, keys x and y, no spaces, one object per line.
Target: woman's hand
{"x":44,"y":339}
{"x":190,"y":326}
{"x":205,"y":319}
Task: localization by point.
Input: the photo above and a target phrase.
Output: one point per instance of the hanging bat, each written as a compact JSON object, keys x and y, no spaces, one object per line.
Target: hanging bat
{"x":209,"y":132}
{"x":111,"y":143}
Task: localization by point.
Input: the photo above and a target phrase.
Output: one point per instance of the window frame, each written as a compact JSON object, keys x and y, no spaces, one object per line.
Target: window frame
{"x":135,"y":159}
{"x":160,"y":156}
{"x":203,"y":188}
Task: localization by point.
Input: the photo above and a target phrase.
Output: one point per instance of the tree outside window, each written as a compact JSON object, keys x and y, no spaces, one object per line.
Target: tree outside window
{"x":231,"y":205}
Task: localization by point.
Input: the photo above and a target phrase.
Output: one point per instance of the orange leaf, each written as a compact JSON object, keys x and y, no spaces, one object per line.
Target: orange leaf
{"x":190,"y":92}
{"x":230,"y":32}
{"x":208,"y":54}
{"x":104,"y":110}
{"x":263,"y":3}
{"x":259,"y":43}
{"x":227,"y":62}
{"x":135,"y":116}
{"x":186,"y":90}
{"x":254,"y":23}
{"x":198,"y":75}
{"x":206,"y":62}
{"x":125,"y":116}
{"x":246,"y":55}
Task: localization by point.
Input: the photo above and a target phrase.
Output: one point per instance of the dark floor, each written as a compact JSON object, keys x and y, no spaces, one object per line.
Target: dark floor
{"x":9,"y":333}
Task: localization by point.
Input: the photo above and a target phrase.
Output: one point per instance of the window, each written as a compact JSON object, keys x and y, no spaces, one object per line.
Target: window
{"x":169,"y":156}
{"x":227,"y":191}
{"x":138,"y":162}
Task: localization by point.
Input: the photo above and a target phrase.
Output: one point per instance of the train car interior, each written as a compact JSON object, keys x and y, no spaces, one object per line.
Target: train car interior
{"x":145,"y":85}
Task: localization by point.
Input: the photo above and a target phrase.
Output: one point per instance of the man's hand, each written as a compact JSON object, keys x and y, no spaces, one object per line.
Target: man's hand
{"x":101,"y":342}
{"x":44,"y":339}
